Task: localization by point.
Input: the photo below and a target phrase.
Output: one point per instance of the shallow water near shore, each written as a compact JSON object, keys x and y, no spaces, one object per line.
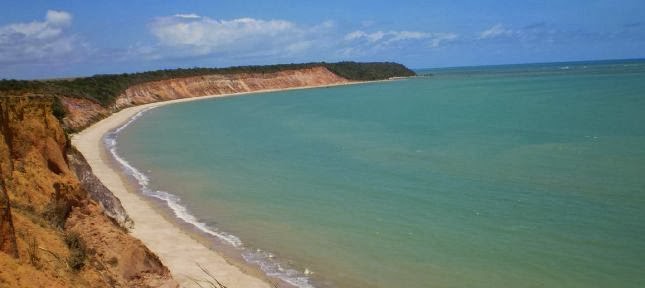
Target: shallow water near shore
{"x":508,"y":176}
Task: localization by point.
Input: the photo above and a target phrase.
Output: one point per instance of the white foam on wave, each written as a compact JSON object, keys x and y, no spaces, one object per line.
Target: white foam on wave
{"x":173,"y":201}
{"x":258,"y":257}
{"x":274,"y":269}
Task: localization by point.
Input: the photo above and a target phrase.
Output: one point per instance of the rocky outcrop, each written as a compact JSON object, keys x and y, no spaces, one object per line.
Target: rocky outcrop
{"x":98,"y":192}
{"x":83,"y":112}
{"x":53,"y":234}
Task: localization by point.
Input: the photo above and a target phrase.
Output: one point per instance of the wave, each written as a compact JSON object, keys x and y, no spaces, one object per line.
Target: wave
{"x":264,"y":260}
{"x":276,"y":270}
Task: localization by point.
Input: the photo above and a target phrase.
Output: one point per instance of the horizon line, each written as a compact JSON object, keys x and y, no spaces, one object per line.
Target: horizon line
{"x":313,"y":62}
{"x":530,"y":63}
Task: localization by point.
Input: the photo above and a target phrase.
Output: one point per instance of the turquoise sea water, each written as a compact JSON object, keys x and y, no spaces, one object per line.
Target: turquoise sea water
{"x":508,"y":176}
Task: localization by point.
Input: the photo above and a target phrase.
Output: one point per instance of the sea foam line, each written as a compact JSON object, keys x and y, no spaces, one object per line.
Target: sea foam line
{"x":171,"y":200}
{"x":258,"y":257}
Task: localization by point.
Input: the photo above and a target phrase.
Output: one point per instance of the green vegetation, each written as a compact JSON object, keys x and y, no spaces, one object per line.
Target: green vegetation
{"x":105,"y":88}
{"x":369,"y":71}
{"x":57,"y":109}
{"x":77,"y":251}
{"x":57,"y":211}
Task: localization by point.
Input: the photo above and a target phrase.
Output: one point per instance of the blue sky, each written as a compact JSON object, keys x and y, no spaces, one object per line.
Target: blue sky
{"x":43,"y":39}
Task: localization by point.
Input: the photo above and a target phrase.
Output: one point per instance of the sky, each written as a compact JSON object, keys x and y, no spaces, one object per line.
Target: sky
{"x":69,"y":38}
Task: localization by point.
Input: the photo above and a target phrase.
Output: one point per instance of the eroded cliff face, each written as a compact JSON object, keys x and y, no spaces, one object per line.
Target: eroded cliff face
{"x":8,"y":243}
{"x":59,"y":226}
{"x":53,"y":233}
{"x":225,"y":84}
{"x":83,"y":112}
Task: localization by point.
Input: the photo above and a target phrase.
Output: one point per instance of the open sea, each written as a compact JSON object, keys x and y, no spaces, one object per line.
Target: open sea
{"x":499,"y":176}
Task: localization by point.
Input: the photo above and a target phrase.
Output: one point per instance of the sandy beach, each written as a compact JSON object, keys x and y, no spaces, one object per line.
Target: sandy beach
{"x":177,"y":249}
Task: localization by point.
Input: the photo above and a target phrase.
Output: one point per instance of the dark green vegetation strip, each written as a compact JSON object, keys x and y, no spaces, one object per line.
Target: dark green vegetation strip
{"x":105,"y":88}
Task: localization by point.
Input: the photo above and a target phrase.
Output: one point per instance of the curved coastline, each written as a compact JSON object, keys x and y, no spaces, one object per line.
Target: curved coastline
{"x":177,"y":249}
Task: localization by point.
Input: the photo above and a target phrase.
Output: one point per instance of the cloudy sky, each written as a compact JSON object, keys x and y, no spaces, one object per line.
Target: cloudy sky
{"x":45,"y":39}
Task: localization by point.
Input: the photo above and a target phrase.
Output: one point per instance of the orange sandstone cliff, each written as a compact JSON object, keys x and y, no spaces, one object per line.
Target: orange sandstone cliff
{"x":59,"y":226}
{"x":53,"y":231}
{"x":83,"y":112}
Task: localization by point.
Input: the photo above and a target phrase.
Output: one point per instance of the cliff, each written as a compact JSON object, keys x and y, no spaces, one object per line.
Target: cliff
{"x":83,"y":112}
{"x":59,"y":226}
{"x":83,"y":100}
{"x":104,"y":89}
{"x":225,"y":84}
{"x":53,"y":234}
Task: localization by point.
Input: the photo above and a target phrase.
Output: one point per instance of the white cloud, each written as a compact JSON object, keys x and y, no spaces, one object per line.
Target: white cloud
{"x":439,"y":38}
{"x":533,"y":35}
{"x":355,"y":35}
{"x":381,"y":38}
{"x":250,"y":39}
{"x":60,"y":18}
{"x":194,"y":35}
{"x":370,"y":37}
{"x":409,"y":35}
{"x":37,"y":41}
{"x":497,"y":30}
{"x":188,"y":16}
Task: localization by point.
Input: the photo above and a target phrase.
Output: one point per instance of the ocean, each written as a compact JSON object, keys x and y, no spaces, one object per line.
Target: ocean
{"x":498,"y":176}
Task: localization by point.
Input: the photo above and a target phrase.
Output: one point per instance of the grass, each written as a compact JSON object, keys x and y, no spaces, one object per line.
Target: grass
{"x":77,"y":250}
{"x":212,"y":282}
{"x":33,"y":252}
{"x":57,"y":211}
{"x":59,"y":207}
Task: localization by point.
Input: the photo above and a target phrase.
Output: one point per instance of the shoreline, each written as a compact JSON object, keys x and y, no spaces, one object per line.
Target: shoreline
{"x":176,"y":247}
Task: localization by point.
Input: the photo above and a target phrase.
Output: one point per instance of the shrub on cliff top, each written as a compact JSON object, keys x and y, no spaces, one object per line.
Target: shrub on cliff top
{"x":58,"y":109}
{"x":103,"y":89}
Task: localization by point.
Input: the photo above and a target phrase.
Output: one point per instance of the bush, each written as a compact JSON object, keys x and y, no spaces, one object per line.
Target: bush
{"x":57,"y":211}
{"x":59,"y":207}
{"x":58,"y":109}
{"x":77,"y":251}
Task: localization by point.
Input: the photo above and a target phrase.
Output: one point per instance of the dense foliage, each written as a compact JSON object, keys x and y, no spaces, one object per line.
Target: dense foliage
{"x":105,"y":88}
{"x":369,"y":71}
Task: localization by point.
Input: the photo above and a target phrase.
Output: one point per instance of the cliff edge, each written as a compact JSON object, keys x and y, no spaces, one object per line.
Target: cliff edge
{"x":82,"y":112}
{"x":53,"y":233}
{"x":59,"y":226}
